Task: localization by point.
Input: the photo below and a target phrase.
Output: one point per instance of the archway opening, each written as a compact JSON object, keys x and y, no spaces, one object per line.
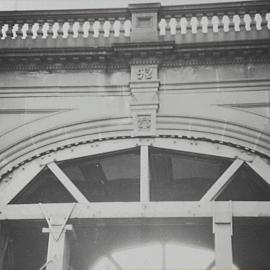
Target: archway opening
{"x":157,"y":256}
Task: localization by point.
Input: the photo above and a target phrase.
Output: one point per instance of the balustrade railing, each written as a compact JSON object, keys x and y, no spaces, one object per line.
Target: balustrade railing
{"x":248,"y":20}
{"x":70,"y":27}
{"x":215,"y":22}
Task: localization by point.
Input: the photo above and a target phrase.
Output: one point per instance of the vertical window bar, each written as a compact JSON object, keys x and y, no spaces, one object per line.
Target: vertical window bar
{"x":144,"y":174}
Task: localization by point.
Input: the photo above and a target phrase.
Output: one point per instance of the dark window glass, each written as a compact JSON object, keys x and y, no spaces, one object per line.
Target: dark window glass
{"x":106,"y":178}
{"x":251,"y":238}
{"x":44,"y":188}
{"x":27,"y":247}
{"x":178,"y":176}
{"x":246,"y":185}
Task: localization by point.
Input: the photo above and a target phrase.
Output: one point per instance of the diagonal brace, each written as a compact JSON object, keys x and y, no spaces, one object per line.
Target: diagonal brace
{"x":67,"y":183}
{"x":222,"y":181}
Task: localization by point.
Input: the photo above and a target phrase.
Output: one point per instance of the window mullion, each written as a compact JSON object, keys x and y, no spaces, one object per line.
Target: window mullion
{"x":144,"y":174}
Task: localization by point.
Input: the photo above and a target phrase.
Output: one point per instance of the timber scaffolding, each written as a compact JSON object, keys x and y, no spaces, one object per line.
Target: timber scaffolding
{"x":98,"y":35}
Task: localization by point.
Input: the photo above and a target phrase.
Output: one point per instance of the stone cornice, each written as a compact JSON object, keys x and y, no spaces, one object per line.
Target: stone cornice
{"x":121,"y":56}
{"x":110,"y":39}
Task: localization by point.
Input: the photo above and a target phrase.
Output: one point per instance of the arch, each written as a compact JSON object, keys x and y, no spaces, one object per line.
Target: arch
{"x":156,"y":255}
{"x":20,"y":149}
{"x":21,"y":176}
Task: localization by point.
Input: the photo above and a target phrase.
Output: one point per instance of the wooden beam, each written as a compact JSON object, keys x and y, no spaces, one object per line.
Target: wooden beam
{"x":23,"y":175}
{"x":144,"y":174}
{"x":223,"y":246}
{"x":222,"y":181}
{"x":21,"y":178}
{"x":95,"y":148}
{"x":202,"y":147}
{"x":222,"y":228}
{"x":67,"y":183}
{"x":58,"y":253}
{"x":132,"y":210}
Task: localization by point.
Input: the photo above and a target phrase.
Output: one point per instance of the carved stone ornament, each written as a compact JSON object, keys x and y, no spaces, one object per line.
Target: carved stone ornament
{"x":144,"y":73}
{"x":144,"y":122}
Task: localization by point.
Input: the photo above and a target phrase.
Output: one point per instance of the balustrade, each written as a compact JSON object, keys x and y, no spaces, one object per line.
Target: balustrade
{"x":215,"y":22}
{"x":62,"y":25}
{"x":182,"y":24}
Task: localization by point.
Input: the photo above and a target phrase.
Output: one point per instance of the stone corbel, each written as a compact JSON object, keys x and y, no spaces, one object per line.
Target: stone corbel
{"x":145,"y":101}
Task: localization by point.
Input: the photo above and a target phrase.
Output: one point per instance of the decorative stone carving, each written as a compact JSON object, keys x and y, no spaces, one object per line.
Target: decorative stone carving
{"x":144,"y":73}
{"x":144,"y":103}
{"x":144,"y":122}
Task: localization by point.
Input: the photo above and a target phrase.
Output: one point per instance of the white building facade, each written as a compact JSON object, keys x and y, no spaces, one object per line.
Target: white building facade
{"x":135,"y":138}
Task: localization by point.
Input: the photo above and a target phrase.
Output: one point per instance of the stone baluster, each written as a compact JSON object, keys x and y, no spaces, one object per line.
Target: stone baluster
{"x":215,"y":23}
{"x":40,"y":29}
{"x":29,"y":31}
{"x":167,"y":25}
{"x":91,"y":27}
{"x":205,"y":22}
{"x":9,"y":32}
{"x":194,"y":23}
{"x":60,"y":31}
{"x":19,"y":31}
{"x":70,"y":31}
{"x":50,"y":28}
{"x":242,"y":24}
{"x":101,"y":27}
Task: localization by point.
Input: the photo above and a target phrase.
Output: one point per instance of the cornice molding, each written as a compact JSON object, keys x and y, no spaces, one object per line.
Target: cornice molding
{"x":166,"y":54}
{"x":237,"y":135}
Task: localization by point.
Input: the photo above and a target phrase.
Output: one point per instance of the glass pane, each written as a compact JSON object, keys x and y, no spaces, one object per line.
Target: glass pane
{"x":157,"y":245}
{"x":106,"y":178}
{"x":246,"y":185}
{"x":44,"y":188}
{"x":28,"y":247}
{"x":251,"y":238}
{"x":179,"y":176}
